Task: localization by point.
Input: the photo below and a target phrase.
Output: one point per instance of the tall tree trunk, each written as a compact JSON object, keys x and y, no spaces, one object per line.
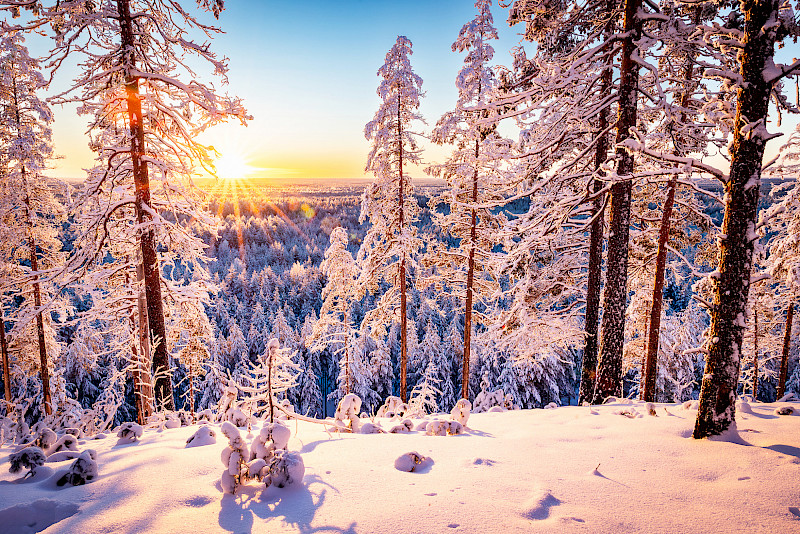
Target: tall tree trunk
{"x":144,"y":345}
{"x":787,"y":342}
{"x":403,"y":297}
{"x":755,"y":354}
{"x":609,"y":366}
{"x":473,"y":237}
{"x":6,"y":366}
{"x":716,"y":412}
{"x":592,"y":316}
{"x":653,"y":337}
{"x":152,"y":275}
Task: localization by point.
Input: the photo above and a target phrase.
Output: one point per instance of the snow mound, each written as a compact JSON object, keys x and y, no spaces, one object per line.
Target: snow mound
{"x":538,"y":507}
{"x":413,"y":462}
{"x":36,"y":516}
{"x":203,"y":436}
{"x":784,"y":410}
{"x":82,"y":470}
{"x":129,"y":433}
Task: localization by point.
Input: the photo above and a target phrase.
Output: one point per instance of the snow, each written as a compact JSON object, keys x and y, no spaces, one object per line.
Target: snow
{"x":566,"y":469}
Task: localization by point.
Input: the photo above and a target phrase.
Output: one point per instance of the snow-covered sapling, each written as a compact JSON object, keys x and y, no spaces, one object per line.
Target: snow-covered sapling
{"x":461,"y":411}
{"x":444,"y":428}
{"x":412,"y":461}
{"x":393,"y":406}
{"x":67,"y":442}
{"x":129,"y":433}
{"x":346,"y":414}
{"x":28,"y":458}
{"x":284,"y":469}
{"x":46,"y":439}
{"x":203,"y":436}
{"x":233,"y":458}
{"x":82,"y":470}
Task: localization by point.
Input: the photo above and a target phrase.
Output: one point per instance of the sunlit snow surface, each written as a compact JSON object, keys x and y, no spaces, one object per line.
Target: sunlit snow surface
{"x":610,"y":468}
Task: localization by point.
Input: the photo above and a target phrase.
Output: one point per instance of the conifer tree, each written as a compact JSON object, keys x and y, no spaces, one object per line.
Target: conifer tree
{"x":391,"y":243}
{"x":473,"y":174}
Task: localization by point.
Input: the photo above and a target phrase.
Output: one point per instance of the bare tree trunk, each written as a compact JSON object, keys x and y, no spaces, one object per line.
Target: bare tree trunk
{"x":654,"y":333}
{"x":609,"y":368}
{"x":755,"y":354}
{"x":270,"y":350}
{"x":716,"y":412}
{"x":787,"y":342}
{"x":152,"y":275}
{"x":144,"y":345}
{"x":6,"y":366}
{"x":595,"y":268}
{"x":473,"y":237}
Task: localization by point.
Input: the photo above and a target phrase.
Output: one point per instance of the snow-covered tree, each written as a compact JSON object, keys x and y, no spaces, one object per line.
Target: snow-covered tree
{"x":473,"y":174}
{"x":29,"y":210}
{"x":389,"y":249}
{"x":138,"y":82}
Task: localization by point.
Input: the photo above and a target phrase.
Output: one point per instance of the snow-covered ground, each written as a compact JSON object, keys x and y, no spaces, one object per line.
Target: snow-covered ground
{"x":611,"y":468}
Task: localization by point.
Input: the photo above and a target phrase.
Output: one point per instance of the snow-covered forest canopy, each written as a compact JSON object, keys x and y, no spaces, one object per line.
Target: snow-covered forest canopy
{"x":628,"y":239}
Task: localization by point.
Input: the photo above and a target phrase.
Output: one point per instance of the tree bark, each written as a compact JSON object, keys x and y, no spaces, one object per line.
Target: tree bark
{"x":716,"y":412}
{"x":152,"y":275}
{"x":787,"y":342}
{"x":592,"y":315}
{"x":6,"y":366}
{"x":609,"y":367}
{"x":473,"y":237}
{"x":755,"y":354}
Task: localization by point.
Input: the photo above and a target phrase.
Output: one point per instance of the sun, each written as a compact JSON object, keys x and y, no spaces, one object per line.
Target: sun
{"x":232,"y":166}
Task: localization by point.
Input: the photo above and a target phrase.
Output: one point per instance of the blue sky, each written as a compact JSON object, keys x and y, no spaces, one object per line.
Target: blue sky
{"x":307,"y":73}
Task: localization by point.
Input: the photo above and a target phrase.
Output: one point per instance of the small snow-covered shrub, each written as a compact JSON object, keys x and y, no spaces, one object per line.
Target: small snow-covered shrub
{"x":227,"y":404}
{"x":444,"y":428}
{"x":346,"y":414}
{"x":393,"y":406}
{"x":172,"y":420}
{"x":28,"y":458}
{"x":412,"y":461}
{"x":77,"y":432}
{"x":691,"y":405}
{"x":551,"y":406}
{"x":283,"y":469}
{"x":67,"y":442}
{"x":46,"y":438}
{"x":371,"y":428}
{"x":744,"y":407}
{"x":269,"y":459}
{"x":82,"y":470}
{"x":460,"y":411}
{"x":129,"y":432}
{"x":651,"y":409}
{"x":784,"y":410}
{"x":233,"y":458}
{"x":203,"y":436}
{"x":206,"y":416}
{"x":399,"y":429}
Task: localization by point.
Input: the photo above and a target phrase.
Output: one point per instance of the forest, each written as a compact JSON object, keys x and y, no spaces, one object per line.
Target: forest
{"x":631,"y":240}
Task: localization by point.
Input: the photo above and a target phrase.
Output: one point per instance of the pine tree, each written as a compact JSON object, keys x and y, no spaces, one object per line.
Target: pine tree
{"x":390,"y":245}
{"x":473,"y":174}
{"x":145,"y":123}
{"x":29,"y":209}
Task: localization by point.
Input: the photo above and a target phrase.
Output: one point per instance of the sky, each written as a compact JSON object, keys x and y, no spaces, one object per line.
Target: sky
{"x":307,"y":72}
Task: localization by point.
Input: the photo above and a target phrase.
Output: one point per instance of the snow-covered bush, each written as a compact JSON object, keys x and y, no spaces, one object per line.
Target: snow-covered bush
{"x":227,"y":408}
{"x":129,"y":433}
{"x":392,"y":407}
{"x":82,"y":470}
{"x":371,"y":428}
{"x":233,"y":458}
{"x":346,"y":414}
{"x":284,"y":469}
{"x":67,"y":442}
{"x":486,"y":400}
{"x":269,"y":459}
{"x":46,"y":438}
{"x":461,"y":411}
{"x":412,"y":461}
{"x":203,"y":436}
{"x":443,"y":428}
{"x":28,"y":458}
